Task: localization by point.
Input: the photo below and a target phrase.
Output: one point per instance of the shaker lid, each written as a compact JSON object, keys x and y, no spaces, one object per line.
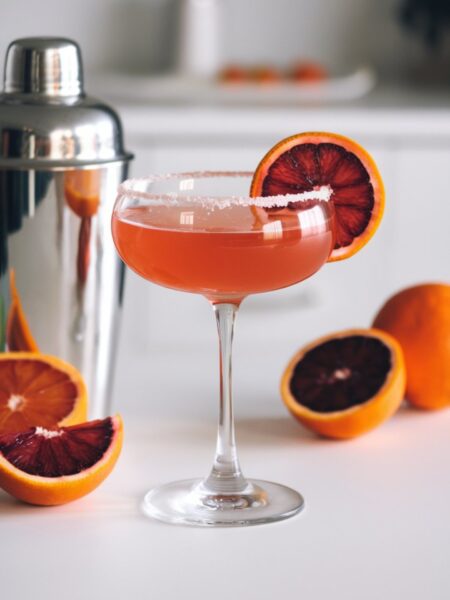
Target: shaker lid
{"x":46,"y":119}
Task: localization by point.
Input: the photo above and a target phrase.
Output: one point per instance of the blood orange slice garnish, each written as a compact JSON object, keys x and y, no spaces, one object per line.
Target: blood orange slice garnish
{"x":49,"y":466}
{"x":321,"y":161}
{"x":39,"y":390}
{"x":346,"y":383}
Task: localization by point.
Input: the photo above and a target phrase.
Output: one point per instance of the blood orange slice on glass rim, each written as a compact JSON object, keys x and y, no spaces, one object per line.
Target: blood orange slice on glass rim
{"x":49,"y":466}
{"x":330,"y":164}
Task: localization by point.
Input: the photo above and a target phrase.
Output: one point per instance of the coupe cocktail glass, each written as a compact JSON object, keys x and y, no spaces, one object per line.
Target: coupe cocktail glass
{"x":202,"y":233}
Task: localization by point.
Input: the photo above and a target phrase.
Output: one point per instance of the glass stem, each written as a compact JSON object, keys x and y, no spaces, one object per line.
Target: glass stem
{"x":226,"y":476}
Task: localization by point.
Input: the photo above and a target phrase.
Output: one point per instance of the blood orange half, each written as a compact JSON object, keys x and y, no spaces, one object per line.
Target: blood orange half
{"x":346,"y":383}
{"x":57,"y":465}
{"x":39,"y":390}
{"x":312,"y":161}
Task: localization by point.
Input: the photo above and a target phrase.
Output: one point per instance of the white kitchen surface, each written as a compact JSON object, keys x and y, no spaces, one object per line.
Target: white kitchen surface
{"x":376,"y":523}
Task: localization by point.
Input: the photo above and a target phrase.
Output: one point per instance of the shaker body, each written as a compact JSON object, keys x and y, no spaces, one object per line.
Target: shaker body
{"x":57,"y":256}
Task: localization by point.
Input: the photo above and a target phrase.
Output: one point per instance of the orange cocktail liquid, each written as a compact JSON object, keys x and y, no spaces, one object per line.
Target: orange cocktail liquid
{"x":224,"y":254}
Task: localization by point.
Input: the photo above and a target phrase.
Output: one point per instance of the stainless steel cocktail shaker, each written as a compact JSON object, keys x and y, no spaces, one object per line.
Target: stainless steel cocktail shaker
{"x":61,"y":161}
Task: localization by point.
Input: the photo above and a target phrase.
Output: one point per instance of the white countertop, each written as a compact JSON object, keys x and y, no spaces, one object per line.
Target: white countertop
{"x":376,"y":523}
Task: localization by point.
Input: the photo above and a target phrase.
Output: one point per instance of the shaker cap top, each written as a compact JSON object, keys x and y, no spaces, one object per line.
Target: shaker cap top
{"x":46,"y":65}
{"x":46,"y":119}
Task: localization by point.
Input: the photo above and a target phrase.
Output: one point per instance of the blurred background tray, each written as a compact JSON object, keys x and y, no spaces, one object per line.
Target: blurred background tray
{"x":176,"y":89}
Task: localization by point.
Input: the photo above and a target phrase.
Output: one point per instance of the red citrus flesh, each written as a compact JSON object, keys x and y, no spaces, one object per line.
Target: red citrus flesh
{"x":39,"y":390}
{"x":57,"y":452}
{"x":49,"y":466}
{"x":346,"y":383}
{"x":341,"y":373}
{"x":310,"y":161}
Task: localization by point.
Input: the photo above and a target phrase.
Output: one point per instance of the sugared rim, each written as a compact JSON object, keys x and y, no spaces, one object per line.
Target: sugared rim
{"x":128,"y":189}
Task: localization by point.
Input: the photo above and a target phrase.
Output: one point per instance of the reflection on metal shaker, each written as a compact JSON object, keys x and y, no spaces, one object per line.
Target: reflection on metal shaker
{"x":61,"y":161}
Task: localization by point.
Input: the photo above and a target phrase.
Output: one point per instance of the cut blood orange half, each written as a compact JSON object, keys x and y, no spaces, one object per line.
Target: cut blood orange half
{"x":39,"y":390}
{"x":49,"y":466}
{"x":331,"y":163}
{"x":345,"y":384}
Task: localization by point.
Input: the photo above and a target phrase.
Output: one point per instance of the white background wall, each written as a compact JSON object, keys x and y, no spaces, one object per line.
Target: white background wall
{"x":139,"y":34}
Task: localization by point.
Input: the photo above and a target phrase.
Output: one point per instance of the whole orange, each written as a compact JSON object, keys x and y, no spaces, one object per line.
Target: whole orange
{"x":419,"y":317}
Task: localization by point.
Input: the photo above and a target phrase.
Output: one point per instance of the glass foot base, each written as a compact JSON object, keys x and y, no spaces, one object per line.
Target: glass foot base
{"x":189,"y":502}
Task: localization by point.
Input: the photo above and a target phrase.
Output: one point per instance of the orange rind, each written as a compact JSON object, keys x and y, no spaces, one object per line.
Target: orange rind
{"x":419,"y":318}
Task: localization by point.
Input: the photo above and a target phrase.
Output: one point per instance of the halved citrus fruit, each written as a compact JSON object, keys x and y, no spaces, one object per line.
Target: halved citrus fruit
{"x":346,"y":383}
{"x":49,"y":466}
{"x":419,"y":318}
{"x":19,"y":337}
{"x":329,"y":162}
{"x":39,"y":390}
